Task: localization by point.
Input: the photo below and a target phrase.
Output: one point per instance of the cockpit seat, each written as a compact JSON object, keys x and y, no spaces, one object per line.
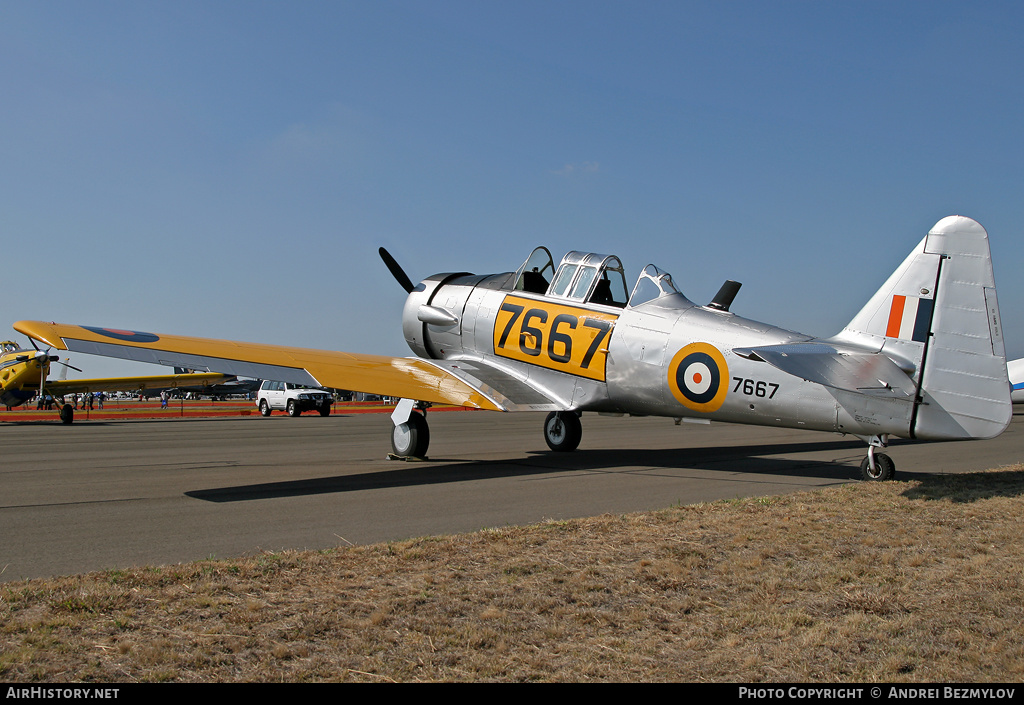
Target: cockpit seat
{"x":534,"y":282}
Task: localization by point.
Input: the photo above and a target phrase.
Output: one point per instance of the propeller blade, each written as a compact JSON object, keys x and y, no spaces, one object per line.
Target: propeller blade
{"x":396,"y":270}
{"x":67,"y":365}
{"x":40,"y":356}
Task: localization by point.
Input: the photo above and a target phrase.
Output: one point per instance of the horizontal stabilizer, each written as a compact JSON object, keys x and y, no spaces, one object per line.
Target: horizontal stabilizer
{"x":840,"y":368}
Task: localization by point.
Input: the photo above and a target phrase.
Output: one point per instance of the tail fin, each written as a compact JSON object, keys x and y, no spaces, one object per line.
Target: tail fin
{"x":937,"y":316}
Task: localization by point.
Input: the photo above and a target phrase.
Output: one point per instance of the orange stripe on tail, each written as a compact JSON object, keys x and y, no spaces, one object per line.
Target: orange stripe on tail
{"x":892,"y":330}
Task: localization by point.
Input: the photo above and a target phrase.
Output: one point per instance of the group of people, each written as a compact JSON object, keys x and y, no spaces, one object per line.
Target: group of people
{"x":89,"y":400}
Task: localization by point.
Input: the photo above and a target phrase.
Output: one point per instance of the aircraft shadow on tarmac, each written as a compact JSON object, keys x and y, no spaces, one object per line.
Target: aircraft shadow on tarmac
{"x":731,"y":460}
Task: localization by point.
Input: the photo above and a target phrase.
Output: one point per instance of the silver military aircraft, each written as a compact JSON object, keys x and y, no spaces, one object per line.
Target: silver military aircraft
{"x":923,"y":359}
{"x":1015,"y":368}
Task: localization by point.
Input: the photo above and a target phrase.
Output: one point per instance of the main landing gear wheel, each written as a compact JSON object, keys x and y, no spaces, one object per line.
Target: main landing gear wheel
{"x":563,"y":431}
{"x":67,"y":413}
{"x":410,"y":439}
{"x":885,"y":468}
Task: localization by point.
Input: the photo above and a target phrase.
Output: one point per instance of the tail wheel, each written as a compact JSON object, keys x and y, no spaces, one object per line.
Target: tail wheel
{"x":563,"y":431}
{"x":264,"y":407}
{"x":410,"y":439}
{"x":885,"y":468}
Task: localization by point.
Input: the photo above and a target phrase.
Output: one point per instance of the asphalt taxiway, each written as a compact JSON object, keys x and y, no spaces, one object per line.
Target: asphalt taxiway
{"x":101,"y":495}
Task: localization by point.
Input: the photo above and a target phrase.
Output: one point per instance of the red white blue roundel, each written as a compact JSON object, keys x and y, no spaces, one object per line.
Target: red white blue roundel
{"x":698,"y":377}
{"x":130,"y":336}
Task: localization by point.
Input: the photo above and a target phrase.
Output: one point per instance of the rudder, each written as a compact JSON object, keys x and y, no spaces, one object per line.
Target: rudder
{"x":965,"y":380}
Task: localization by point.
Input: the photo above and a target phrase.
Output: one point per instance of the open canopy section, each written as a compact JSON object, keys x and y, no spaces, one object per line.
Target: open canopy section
{"x":536,"y":272}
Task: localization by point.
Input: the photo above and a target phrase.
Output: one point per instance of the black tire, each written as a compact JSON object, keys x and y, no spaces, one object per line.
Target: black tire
{"x":411,"y":439}
{"x":293,"y":408}
{"x":563,"y":431}
{"x":67,"y":414}
{"x":885,"y":469}
{"x":325,"y":410}
{"x":264,"y":407}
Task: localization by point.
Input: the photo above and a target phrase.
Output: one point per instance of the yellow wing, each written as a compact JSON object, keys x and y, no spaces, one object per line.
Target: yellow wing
{"x":408,"y":378}
{"x":129,"y":384}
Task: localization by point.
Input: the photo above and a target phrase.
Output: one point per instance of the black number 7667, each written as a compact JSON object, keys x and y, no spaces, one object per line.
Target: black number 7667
{"x":755,"y":388}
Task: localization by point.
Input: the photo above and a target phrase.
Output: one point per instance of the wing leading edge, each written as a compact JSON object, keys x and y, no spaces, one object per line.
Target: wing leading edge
{"x":408,"y":378}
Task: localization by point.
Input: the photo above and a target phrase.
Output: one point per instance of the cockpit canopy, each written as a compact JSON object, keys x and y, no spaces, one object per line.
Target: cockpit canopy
{"x":536,"y":272}
{"x":594,"y":278}
{"x":590,"y":277}
{"x":652,"y":284}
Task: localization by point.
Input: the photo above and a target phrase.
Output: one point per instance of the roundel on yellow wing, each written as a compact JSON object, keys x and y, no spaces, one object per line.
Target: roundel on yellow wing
{"x":699,"y":377}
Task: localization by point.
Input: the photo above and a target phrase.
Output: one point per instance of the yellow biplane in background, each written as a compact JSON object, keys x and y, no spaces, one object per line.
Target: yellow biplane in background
{"x":24,"y":376}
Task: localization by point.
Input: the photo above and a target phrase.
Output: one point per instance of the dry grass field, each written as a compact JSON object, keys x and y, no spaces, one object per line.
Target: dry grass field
{"x":913,"y":581}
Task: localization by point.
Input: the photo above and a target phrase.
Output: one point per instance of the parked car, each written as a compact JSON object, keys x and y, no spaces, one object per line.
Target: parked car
{"x":293,"y":398}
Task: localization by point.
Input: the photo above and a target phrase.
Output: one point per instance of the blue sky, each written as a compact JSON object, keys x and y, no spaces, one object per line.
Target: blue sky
{"x":229,"y":169}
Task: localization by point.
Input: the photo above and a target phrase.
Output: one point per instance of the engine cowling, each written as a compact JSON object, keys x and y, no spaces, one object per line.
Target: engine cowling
{"x":432,"y":317}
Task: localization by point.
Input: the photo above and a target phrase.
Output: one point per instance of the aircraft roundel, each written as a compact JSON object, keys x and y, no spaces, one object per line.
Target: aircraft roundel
{"x":699,"y":377}
{"x":131,"y":336}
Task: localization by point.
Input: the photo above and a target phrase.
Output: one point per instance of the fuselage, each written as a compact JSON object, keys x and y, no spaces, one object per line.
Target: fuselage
{"x":656,"y":353}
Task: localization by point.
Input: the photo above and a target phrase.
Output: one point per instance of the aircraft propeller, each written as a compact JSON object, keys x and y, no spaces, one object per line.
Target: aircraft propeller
{"x":396,"y":270}
{"x":45,"y":355}
{"x":66,"y":364}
